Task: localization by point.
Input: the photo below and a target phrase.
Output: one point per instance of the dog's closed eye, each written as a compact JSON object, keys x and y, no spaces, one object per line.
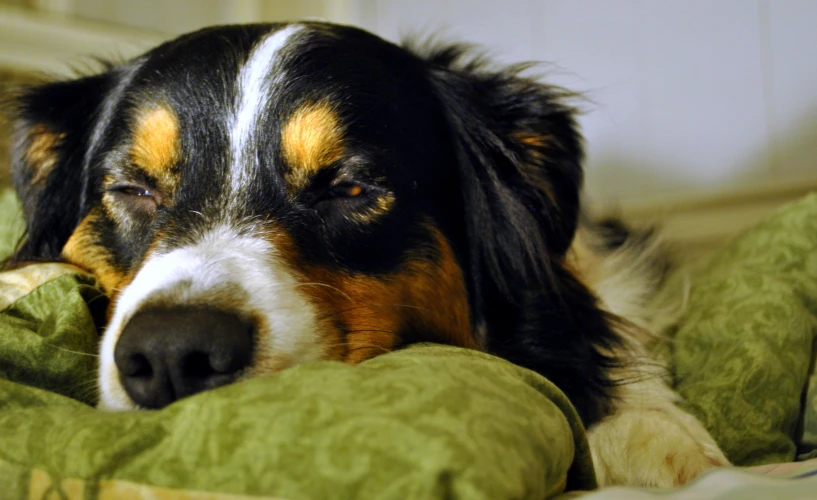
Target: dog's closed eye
{"x":328,"y":194}
{"x":136,"y":197}
{"x":347,"y":190}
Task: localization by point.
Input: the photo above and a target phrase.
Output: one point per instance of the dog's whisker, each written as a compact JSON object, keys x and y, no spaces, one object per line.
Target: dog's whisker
{"x":373,"y":305}
{"x":356,"y":346}
{"x":71,"y":351}
{"x":88,"y":388}
{"x":345,"y":295}
{"x":88,"y":382}
{"x":370,"y":346}
{"x":363,"y":330}
{"x":408,"y":306}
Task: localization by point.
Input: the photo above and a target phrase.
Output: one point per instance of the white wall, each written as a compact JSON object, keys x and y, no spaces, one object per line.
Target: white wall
{"x":686,"y":94}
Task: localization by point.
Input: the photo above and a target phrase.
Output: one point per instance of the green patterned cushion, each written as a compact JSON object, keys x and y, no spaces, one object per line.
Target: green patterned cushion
{"x":744,"y":350}
{"x":11,"y":223}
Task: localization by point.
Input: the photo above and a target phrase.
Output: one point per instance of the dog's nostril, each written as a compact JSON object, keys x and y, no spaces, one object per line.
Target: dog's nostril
{"x":136,"y":365}
{"x":197,"y":364}
{"x":166,"y":354}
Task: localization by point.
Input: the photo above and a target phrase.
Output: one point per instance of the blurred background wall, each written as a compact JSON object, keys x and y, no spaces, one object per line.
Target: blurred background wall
{"x":685,"y":97}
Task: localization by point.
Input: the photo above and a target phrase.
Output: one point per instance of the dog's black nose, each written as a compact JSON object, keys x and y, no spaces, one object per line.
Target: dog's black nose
{"x":167,"y":354}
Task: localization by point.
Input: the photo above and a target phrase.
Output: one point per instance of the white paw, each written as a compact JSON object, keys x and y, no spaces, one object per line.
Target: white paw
{"x":652,"y":447}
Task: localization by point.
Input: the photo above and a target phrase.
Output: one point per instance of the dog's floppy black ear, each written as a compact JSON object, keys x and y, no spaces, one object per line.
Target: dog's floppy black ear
{"x":520,"y":160}
{"x":53,"y":127}
{"x":519,"y":157}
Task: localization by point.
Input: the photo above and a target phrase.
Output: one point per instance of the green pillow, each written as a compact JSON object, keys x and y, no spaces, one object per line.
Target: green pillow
{"x":11,"y":222}
{"x":744,"y":350}
{"x":426,"y":422}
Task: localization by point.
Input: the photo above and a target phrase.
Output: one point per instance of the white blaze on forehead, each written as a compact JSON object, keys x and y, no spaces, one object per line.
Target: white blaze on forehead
{"x":188,"y":275}
{"x":256,"y":83}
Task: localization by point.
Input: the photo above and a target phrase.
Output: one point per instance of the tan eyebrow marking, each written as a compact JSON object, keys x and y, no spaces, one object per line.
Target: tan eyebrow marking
{"x":41,"y":153}
{"x":156,"y":147}
{"x":312,"y":139}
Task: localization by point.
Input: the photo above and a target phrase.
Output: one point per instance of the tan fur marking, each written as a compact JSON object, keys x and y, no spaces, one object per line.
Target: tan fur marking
{"x":532,"y":139}
{"x":311,"y":139}
{"x":40,"y":153}
{"x":83,"y":250}
{"x":156,"y":147}
{"x":536,"y":151}
{"x":426,"y":296}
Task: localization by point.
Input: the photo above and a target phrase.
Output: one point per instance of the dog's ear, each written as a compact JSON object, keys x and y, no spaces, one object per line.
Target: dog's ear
{"x":520,"y":158}
{"x":53,"y":129}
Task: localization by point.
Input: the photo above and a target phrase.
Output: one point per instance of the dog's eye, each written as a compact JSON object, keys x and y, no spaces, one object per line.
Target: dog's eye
{"x":346,"y":190}
{"x":345,"y":198}
{"x":133,"y":191}
{"x":138,"y":197}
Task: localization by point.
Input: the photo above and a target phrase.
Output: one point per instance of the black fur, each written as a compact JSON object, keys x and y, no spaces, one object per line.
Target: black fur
{"x":521,"y":209}
{"x":492,"y":157}
{"x":54,"y":207}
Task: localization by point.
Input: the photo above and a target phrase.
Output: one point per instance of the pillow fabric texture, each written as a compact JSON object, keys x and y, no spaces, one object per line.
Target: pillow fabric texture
{"x":743,"y":352}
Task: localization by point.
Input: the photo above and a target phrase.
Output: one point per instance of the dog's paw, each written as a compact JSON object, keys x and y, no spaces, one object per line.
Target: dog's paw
{"x":652,"y":447}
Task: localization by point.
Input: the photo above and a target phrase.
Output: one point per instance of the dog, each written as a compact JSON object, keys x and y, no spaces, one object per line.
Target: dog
{"x":254,"y":197}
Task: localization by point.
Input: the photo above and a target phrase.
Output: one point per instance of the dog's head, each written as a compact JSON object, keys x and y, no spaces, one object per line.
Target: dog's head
{"x":259,"y":196}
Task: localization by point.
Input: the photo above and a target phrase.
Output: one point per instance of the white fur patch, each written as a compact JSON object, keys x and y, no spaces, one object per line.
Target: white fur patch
{"x":648,"y":440}
{"x":221,"y":258}
{"x":256,"y":83}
